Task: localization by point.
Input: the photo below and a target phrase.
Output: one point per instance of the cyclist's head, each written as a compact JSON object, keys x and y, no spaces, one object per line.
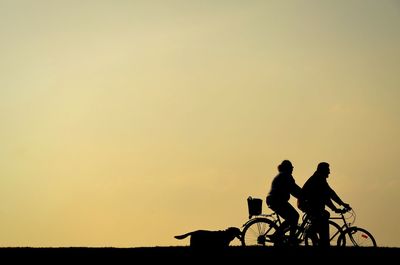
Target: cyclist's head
{"x":285,"y":166}
{"x":323,"y":168}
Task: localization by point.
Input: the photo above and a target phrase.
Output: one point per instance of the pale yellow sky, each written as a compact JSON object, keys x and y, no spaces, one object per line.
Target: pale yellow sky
{"x":124,"y":123}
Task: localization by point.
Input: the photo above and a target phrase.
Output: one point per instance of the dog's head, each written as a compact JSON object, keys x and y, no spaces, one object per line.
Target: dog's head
{"x":234,"y":232}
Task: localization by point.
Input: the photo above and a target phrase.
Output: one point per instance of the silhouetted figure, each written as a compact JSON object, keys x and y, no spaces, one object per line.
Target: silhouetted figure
{"x":201,"y":239}
{"x":315,"y":194}
{"x":283,"y":185}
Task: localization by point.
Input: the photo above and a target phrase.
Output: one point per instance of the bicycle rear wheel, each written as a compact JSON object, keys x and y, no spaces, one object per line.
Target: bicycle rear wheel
{"x":258,"y":232}
{"x":311,"y":238}
{"x":358,"y":237}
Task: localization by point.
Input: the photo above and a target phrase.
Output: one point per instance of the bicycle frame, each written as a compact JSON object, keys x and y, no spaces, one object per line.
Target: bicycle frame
{"x":345,"y":225}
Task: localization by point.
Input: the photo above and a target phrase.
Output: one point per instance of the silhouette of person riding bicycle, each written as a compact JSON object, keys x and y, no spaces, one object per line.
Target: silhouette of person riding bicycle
{"x":284,"y":185}
{"x":269,"y":229}
{"x":315,"y":195}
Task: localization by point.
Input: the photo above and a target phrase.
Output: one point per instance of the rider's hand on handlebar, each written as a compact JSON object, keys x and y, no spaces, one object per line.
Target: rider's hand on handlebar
{"x":340,"y":211}
{"x":346,"y":206}
{"x":337,"y":210}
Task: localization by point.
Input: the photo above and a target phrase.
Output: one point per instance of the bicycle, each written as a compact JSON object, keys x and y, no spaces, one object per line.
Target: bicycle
{"x":262,"y":230}
{"x":346,"y":234}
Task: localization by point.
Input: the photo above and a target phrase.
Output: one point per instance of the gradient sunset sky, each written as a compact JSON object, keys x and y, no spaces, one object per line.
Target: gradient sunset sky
{"x":124,"y":123}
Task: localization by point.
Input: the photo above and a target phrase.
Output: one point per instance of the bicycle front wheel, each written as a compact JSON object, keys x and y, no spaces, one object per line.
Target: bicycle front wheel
{"x":257,"y":232}
{"x":358,"y":237}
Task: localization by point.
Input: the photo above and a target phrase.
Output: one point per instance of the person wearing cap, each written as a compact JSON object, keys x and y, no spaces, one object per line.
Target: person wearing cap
{"x":315,"y":195}
{"x":283,"y":185}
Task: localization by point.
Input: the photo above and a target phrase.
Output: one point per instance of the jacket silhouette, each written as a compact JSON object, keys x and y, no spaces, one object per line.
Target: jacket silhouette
{"x":315,"y":195}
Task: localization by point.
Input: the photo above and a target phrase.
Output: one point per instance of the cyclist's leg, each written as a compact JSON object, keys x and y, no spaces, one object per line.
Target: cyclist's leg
{"x":318,"y":232}
{"x":291,"y":217}
{"x":280,"y":230}
{"x":324,"y":228}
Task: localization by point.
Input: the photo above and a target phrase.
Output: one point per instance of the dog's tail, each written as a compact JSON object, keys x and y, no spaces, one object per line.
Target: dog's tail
{"x":183,"y":236}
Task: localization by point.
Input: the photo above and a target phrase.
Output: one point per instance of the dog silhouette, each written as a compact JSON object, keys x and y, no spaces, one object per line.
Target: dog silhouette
{"x":212,"y":239}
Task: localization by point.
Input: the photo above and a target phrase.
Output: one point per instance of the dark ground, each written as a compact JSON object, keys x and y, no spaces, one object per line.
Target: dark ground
{"x":184,"y":255}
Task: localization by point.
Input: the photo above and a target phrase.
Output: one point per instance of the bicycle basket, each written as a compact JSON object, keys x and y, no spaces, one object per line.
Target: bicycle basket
{"x":254,"y":206}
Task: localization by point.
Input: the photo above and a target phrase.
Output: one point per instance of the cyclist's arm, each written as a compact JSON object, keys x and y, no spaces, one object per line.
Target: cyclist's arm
{"x":332,"y":206}
{"x":336,"y":198}
{"x":295,"y":190}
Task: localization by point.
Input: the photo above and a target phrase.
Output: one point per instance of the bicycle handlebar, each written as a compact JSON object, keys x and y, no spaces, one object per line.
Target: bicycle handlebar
{"x":343,"y":210}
